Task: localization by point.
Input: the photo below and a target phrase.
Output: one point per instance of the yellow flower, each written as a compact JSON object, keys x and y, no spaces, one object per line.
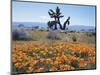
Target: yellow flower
{"x":19,"y":65}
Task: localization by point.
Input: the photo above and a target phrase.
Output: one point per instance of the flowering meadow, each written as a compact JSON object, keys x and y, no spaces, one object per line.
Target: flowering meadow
{"x":37,"y":56}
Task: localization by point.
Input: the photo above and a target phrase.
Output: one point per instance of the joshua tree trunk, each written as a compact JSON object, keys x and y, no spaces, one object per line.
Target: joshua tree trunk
{"x":55,"y":27}
{"x":55,"y":24}
{"x":59,"y":23}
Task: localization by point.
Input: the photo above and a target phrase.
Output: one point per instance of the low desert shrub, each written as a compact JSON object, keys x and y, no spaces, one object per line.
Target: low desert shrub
{"x":91,"y":66}
{"x":90,"y":34}
{"x":53,"y":35}
{"x":74,"y":38}
{"x":20,"y":35}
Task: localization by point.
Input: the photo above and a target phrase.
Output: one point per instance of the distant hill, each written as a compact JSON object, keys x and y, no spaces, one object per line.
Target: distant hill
{"x":44,"y":25}
{"x":81,"y":28}
{"x":29,"y":24}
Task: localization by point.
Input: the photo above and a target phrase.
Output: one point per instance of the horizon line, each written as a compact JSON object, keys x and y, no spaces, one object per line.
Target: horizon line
{"x":46,"y":22}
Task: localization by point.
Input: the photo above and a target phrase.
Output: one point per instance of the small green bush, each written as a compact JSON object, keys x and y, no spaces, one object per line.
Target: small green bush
{"x":74,"y":63}
{"x":74,"y":38}
{"x":84,"y":55}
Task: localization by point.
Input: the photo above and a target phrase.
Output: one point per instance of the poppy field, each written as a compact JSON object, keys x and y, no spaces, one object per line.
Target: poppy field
{"x":39,"y":56}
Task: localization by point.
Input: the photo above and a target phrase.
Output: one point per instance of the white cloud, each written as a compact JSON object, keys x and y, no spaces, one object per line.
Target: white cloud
{"x":45,"y":18}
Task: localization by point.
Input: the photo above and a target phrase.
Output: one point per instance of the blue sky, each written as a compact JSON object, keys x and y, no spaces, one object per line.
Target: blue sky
{"x":38,"y":12}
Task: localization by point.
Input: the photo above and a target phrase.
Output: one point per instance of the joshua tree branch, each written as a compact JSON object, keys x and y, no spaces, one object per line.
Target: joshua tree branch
{"x":66,"y":22}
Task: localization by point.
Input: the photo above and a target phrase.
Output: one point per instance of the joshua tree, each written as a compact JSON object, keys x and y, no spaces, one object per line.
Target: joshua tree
{"x":57,"y":15}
